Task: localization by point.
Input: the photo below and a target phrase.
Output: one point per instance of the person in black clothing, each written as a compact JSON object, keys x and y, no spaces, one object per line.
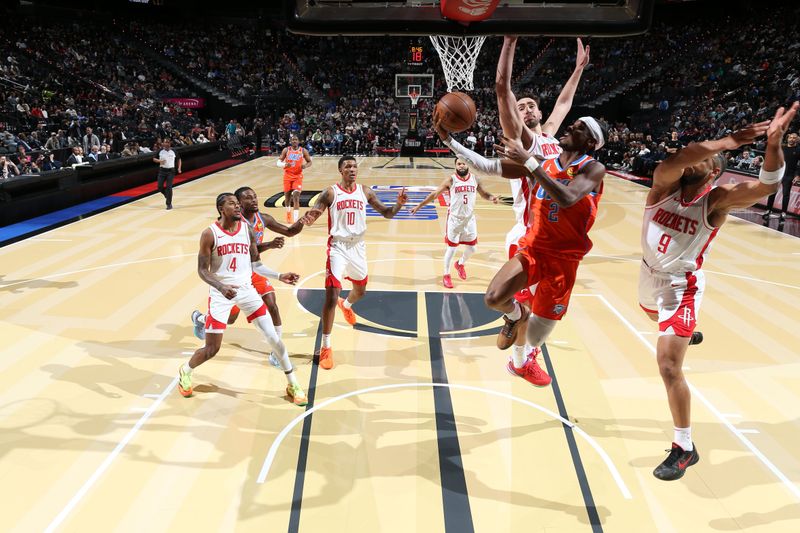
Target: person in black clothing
{"x":791,"y":154}
{"x":258,"y":130}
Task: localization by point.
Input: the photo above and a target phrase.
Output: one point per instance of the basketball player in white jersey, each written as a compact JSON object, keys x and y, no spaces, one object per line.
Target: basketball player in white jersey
{"x":293,"y":160}
{"x":462,"y":228}
{"x":227,"y":259}
{"x":683,"y":214}
{"x":346,"y":203}
{"x":260,"y":222}
{"x":522,"y":119}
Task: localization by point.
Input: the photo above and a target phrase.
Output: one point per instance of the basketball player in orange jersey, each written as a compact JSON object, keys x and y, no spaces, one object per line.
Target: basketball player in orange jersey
{"x":227,"y":259}
{"x":293,"y":160}
{"x":260,"y":222}
{"x":540,"y":141}
{"x":566,"y":192}
{"x":346,"y":203}
{"x":683,"y":213}
{"x":462,"y":228}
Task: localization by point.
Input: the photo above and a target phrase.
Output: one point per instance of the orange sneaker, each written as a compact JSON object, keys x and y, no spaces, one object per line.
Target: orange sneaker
{"x":326,"y":358}
{"x":511,"y":328}
{"x":289,"y":217}
{"x":349,"y":315}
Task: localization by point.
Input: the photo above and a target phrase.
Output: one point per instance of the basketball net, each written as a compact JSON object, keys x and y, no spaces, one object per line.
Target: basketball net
{"x":414,"y":98}
{"x":458,"y":56}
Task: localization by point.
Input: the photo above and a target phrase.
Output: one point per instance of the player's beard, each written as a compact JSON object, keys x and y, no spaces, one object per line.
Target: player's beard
{"x":692,"y":179}
{"x":532,"y":123}
{"x":462,"y":172}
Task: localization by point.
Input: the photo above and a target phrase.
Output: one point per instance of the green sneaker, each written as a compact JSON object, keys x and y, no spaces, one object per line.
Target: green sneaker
{"x":297,"y":394}
{"x":184,"y":383}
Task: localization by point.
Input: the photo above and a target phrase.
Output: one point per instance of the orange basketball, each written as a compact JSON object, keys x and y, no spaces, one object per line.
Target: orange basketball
{"x":457,"y":111}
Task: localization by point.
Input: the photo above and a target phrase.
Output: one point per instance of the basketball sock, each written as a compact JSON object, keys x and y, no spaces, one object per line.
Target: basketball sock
{"x":448,"y":259}
{"x":186,"y":368}
{"x":516,"y":314}
{"x":468,"y":251}
{"x":326,"y":340}
{"x":295,"y":215}
{"x":518,"y":357}
{"x":346,"y":304}
{"x":683,"y":438}
{"x":279,"y":329}
{"x":291,"y":377}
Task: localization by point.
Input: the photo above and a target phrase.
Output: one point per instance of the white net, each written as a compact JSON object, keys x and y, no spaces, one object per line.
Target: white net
{"x":458,"y":56}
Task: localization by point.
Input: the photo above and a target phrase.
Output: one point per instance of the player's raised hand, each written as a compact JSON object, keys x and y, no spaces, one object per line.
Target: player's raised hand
{"x":437,"y":125}
{"x":290,"y":278}
{"x":402,"y":197}
{"x":229,"y":291}
{"x":582,"y":57}
{"x":749,"y":133}
{"x":512,"y":149}
{"x":779,"y":125}
{"x":277,"y":242}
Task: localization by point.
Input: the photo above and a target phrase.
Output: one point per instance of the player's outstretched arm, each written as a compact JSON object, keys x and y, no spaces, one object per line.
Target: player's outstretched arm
{"x":323,"y":202}
{"x":279,"y":228}
{"x":564,"y":102}
{"x":446,"y":184}
{"x":727,"y":197}
{"x":585,"y":182}
{"x":386,"y":211}
{"x":204,"y":266}
{"x":262,"y":269}
{"x":510,"y":120}
{"x":668,"y":173}
{"x":486,"y":195}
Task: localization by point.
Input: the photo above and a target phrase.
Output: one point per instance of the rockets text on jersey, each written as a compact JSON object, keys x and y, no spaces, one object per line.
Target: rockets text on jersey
{"x":347,"y":214}
{"x":462,"y":195}
{"x":230,"y":258}
{"x":676,"y":235}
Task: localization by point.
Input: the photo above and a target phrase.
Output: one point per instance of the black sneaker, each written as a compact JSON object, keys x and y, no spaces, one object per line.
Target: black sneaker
{"x":676,"y":463}
{"x":697,"y":338}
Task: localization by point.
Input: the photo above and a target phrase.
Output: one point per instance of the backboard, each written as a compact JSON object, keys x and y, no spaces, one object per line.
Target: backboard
{"x":422,"y":84}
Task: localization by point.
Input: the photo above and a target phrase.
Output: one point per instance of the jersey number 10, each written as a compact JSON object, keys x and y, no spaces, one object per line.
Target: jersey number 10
{"x":351,"y":218}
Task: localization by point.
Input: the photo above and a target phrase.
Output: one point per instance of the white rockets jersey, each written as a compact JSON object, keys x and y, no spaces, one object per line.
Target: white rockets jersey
{"x":676,"y":235}
{"x":545,"y":147}
{"x":347,"y":214}
{"x":462,"y":196}
{"x":232,"y":253}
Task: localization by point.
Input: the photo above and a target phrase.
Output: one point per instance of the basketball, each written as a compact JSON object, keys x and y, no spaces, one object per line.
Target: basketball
{"x":457,"y":111}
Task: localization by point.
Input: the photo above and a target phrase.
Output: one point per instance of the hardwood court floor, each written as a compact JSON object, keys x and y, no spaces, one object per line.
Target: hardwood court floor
{"x":418,"y":427}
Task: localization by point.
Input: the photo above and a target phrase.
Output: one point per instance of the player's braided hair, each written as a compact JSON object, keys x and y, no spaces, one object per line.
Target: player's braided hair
{"x":221,"y":200}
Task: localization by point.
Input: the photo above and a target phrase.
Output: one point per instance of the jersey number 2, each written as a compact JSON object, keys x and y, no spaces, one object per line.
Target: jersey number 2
{"x":663,"y":243}
{"x":552,"y":216}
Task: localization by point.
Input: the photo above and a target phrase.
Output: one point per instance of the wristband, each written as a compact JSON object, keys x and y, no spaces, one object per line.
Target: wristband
{"x":280,"y":164}
{"x":771,"y":177}
{"x":532,"y":164}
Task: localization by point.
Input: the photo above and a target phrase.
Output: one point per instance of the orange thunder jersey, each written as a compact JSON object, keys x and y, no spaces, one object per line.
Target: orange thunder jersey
{"x":294,"y":162}
{"x":561,"y":231}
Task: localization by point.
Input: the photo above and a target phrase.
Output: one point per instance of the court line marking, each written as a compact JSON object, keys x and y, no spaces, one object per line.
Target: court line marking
{"x":273,"y":449}
{"x":794,"y":489}
{"x":105,"y":464}
{"x":738,"y":276}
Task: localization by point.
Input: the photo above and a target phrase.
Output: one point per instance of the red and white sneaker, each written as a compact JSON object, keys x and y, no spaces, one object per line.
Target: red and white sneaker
{"x":462,"y":273}
{"x":531,"y":371}
{"x":447,"y":281}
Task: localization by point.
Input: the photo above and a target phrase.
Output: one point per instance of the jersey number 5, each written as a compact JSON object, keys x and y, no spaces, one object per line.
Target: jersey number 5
{"x":663,"y":243}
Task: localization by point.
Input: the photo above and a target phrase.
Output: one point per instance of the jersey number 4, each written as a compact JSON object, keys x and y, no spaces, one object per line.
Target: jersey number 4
{"x":232,"y":265}
{"x":663,"y":243}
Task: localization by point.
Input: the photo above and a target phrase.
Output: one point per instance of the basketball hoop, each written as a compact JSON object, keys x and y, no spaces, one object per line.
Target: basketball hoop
{"x":458,"y":56}
{"x":414,"y":98}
